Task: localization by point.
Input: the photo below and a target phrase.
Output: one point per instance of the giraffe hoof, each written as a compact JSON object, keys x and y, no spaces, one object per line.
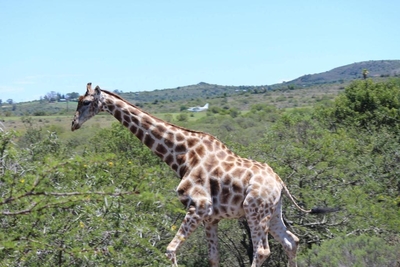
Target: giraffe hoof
{"x":172,"y":257}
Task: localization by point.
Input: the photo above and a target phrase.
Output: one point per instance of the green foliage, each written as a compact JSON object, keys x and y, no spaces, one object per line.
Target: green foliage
{"x":361,"y":250}
{"x":182,"y":117}
{"x":347,"y":166}
{"x":308,"y":158}
{"x":39,"y":113}
{"x":215,"y":109}
{"x":89,"y":210}
{"x":101,"y":198}
{"x":369,"y":104}
{"x":234,"y":112}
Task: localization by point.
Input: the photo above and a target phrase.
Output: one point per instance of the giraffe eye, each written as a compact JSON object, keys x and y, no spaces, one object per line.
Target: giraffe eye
{"x":86,"y":102}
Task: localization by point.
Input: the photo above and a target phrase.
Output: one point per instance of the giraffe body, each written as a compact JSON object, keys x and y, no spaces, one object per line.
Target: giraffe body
{"x":215,"y":183}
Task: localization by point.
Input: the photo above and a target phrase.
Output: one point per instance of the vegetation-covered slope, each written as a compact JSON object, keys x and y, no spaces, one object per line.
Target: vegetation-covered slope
{"x":173,"y":100}
{"x":100,"y":198}
{"x":381,"y":68}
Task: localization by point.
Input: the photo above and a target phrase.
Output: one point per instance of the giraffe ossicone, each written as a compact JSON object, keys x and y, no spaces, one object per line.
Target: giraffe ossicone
{"x":215,"y":183}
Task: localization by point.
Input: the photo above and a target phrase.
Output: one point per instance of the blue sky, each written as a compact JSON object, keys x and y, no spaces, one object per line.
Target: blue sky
{"x":146,"y":45}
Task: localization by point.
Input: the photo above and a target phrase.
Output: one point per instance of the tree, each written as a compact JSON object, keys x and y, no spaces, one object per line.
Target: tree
{"x":365,"y":73}
{"x":84,"y":223}
{"x":367,"y":104}
{"x":72,"y":96}
{"x":10,"y":101}
{"x":52,"y":96}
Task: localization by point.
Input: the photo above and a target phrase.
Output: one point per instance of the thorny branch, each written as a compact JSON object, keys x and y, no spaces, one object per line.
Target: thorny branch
{"x":54,"y":194}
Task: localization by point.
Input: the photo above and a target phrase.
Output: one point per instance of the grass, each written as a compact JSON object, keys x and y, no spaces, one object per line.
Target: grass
{"x":166,"y":110}
{"x":63,"y":122}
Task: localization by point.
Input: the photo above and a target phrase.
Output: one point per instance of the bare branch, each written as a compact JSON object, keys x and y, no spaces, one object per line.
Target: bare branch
{"x":57,"y":204}
{"x":21,"y":212}
{"x":62,"y":194}
{"x":55,"y":194}
{"x":324,"y":222}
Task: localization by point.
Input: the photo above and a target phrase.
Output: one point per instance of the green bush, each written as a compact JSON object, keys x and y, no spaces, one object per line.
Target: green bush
{"x":89,"y":210}
{"x":182,"y":117}
{"x":101,"y":198}
{"x":368,"y":251}
{"x":369,"y":104}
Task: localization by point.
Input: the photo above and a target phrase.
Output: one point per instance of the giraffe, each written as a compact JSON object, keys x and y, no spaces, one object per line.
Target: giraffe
{"x":215,"y":183}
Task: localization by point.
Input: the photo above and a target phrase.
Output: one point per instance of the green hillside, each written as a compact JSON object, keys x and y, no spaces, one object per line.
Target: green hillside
{"x":376,"y":68}
{"x":340,"y":75}
{"x":99,"y":197}
{"x":303,"y":91}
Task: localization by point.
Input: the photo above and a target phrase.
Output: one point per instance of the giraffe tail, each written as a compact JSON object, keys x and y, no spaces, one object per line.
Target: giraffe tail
{"x":316,"y":210}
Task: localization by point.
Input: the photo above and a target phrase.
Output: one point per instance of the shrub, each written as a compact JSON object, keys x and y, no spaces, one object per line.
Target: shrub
{"x":367,"y":104}
{"x":182,"y":117}
{"x":363,"y":250}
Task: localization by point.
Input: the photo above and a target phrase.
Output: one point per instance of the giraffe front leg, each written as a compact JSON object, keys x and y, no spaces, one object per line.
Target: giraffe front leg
{"x":189,"y":224}
{"x":212,"y":240}
{"x":172,"y":257}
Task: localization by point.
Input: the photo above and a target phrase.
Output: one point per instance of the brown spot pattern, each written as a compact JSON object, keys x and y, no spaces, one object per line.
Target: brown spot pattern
{"x":161,"y":149}
{"x":117,"y":114}
{"x":200,"y":151}
{"x":214,"y":186}
{"x":211,"y":175}
{"x":148,"y":140}
{"x":180,"y":137}
{"x":191,"y":142}
{"x":180,"y":148}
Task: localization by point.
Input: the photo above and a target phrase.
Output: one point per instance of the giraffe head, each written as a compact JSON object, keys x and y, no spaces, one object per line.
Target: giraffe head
{"x":88,"y":105}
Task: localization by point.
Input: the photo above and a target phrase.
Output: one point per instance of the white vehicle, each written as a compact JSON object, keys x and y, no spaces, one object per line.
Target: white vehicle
{"x":197,"y":109}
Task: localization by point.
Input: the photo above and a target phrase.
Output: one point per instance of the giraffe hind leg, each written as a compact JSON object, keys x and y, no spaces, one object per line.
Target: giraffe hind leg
{"x":259,"y":236}
{"x":258,"y":219}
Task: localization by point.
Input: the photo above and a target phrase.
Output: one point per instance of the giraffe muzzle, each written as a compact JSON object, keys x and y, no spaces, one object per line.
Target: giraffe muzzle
{"x":75,"y":126}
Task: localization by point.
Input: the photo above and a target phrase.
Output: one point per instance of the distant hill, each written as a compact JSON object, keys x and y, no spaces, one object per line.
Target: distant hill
{"x":196,"y":94}
{"x":376,"y":68}
{"x":201,"y":90}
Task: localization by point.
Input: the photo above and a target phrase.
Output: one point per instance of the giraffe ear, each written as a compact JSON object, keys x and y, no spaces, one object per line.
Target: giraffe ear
{"x":97,"y":90}
{"x":89,"y":88}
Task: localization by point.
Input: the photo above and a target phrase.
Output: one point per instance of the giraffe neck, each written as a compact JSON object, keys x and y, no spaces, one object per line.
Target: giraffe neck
{"x":167,"y":141}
